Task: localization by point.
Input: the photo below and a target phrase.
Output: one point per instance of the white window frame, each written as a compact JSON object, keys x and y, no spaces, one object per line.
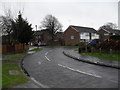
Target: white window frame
{"x":86,"y":34}
{"x":72,"y":37}
{"x":93,"y":34}
{"x":106,"y":34}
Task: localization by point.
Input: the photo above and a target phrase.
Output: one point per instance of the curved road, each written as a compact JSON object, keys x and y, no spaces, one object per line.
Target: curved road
{"x":50,"y":68}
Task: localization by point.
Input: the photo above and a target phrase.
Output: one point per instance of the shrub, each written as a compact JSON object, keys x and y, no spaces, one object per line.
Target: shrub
{"x":109,"y":44}
{"x":115,"y":37}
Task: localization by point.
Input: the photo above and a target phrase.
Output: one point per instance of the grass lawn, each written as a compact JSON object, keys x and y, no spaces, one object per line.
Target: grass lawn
{"x":35,"y":49}
{"x":9,"y":80}
{"x":75,"y":49}
{"x":12,"y":64}
{"x":105,"y":56}
{"x":15,"y":56}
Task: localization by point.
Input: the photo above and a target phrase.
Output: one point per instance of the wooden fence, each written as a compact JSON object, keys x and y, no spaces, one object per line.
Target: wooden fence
{"x":19,"y":48}
{"x":5,"y":49}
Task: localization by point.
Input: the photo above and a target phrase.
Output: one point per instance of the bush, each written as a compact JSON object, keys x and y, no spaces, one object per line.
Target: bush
{"x":115,"y":37}
{"x":76,"y":44}
{"x":111,"y":44}
{"x":83,"y":48}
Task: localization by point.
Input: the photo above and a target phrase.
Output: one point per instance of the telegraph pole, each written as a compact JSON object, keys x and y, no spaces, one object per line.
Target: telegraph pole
{"x":36,"y":27}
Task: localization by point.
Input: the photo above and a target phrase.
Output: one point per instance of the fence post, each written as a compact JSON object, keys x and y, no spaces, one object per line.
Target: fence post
{"x":110,"y":51}
{"x":86,"y":47}
{"x":91,"y":49}
{"x":79,"y":50}
{"x":100,"y":50}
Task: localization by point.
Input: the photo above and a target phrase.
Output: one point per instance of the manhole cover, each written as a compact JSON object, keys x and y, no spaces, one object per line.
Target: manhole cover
{"x":13,"y":72}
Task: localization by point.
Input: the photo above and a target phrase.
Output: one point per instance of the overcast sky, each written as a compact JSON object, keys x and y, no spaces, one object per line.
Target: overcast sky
{"x":87,"y":13}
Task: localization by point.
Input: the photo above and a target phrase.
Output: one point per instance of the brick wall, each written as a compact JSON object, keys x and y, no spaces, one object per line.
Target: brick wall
{"x":67,"y":36}
{"x":102,"y":36}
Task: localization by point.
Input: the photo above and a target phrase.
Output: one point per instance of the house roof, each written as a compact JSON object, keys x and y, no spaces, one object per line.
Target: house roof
{"x":113,"y":31}
{"x":84,"y":29}
{"x":59,"y":33}
{"x":116,"y":31}
{"x":39,"y":32}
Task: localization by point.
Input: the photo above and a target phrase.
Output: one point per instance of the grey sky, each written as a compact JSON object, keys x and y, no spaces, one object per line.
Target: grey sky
{"x":73,"y":12}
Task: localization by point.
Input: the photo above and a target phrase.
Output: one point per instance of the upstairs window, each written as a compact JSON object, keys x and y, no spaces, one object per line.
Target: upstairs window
{"x":86,"y":34}
{"x":106,"y":34}
{"x":72,"y":37}
{"x":93,"y":34}
{"x":82,"y":33}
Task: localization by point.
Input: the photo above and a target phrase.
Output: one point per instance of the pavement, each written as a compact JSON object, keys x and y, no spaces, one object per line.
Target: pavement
{"x":92,"y":60}
{"x":29,"y":84}
{"x":50,"y":68}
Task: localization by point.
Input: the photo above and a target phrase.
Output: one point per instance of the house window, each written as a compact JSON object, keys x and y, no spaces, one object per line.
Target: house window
{"x":106,"y":34}
{"x":86,"y":34}
{"x":82,"y":33}
{"x":72,"y":37}
{"x":93,"y":34}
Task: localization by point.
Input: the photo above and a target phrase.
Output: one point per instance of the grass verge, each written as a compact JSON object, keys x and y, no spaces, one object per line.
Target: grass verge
{"x":12,"y":64}
{"x":105,"y":56}
{"x":75,"y":49}
{"x":35,"y":49}
{"x":15,"y":56}
{"x":9,"y":80}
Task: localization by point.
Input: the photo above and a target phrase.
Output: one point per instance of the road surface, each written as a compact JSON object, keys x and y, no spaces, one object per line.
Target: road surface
{"x":50,"y":68}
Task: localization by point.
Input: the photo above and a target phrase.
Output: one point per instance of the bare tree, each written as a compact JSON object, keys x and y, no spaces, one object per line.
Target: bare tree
{"x":8,"y":18}
{"x":51,"y":24}
{"x":6,"y":25}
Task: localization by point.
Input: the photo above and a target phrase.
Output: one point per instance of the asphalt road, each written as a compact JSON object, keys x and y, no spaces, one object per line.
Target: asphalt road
{"x":50,"y":68}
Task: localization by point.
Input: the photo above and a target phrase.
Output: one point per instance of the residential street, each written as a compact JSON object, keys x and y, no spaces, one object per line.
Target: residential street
{"x":50,"y":68}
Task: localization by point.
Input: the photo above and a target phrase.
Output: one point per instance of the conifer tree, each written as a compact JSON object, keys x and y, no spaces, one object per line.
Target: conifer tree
{"x":22,"y":30}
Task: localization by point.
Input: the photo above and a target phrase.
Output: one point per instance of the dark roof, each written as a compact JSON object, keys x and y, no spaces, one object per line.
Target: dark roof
{"x":59,"y":33}
{"x":113,"y":31}
{"x":84,"y":29}
{"x":39,"y":32}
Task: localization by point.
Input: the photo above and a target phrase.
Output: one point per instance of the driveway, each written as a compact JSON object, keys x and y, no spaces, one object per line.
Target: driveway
{"x":50,"y":68}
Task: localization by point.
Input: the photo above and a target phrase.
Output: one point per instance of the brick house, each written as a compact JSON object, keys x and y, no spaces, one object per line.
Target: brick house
{"x":44,"y":37}
{"x":59,"y":38}
{"x":41,"y":36}
{"x":105,"y":34}
{"x":75,"y":34}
